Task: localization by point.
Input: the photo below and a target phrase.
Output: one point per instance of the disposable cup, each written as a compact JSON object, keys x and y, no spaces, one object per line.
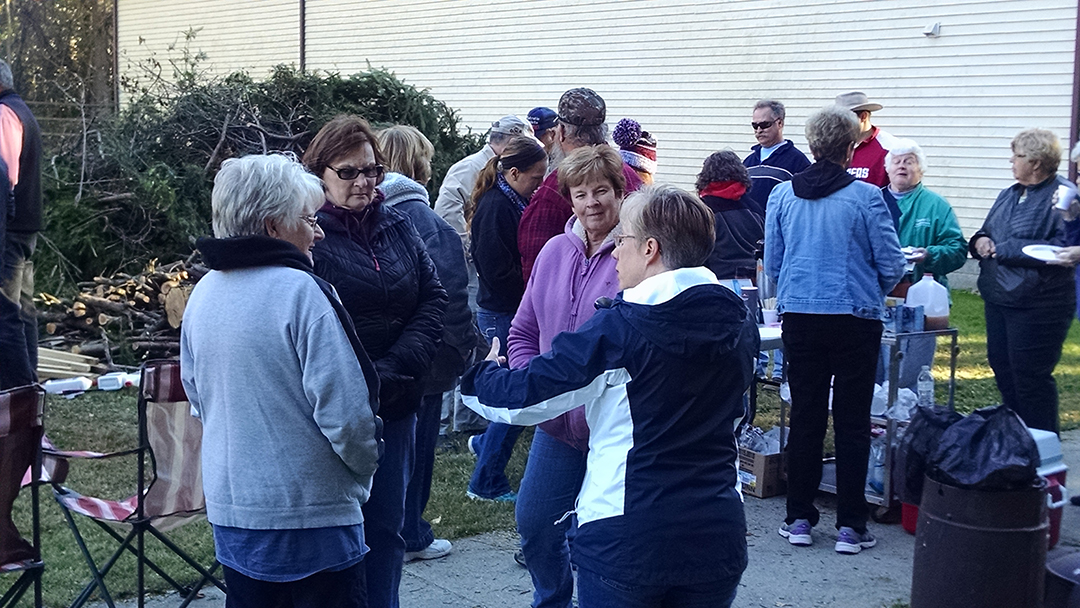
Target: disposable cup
{"x":769,"y":316}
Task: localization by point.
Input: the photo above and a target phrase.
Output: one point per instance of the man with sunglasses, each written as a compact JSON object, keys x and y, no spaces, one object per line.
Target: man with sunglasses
{"x":774,"y":160}
{"x":868,"y":161}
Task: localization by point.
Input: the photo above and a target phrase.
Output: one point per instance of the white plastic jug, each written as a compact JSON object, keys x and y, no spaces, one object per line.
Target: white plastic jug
{"x":934,"y":298}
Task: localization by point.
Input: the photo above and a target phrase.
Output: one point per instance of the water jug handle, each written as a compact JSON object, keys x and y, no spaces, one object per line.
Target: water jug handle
{"x":1051,"y":504}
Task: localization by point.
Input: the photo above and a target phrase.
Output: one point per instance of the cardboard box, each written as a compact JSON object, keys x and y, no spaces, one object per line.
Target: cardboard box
{"x":762,"y":475}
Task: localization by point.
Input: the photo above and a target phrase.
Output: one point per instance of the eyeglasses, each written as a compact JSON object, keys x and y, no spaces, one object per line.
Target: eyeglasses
{"x":765,"y":124}
{"x":620,"y":239}
{"x":350,"y":173}
{"x":310,"y":220}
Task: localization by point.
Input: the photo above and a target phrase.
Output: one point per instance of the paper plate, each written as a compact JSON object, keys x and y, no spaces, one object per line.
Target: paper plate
{"x":1046,"y":253}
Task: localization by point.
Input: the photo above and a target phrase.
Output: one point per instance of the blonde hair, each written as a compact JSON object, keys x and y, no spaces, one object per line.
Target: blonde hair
{"x":407,"y":152}
{"x":1041,"y":147}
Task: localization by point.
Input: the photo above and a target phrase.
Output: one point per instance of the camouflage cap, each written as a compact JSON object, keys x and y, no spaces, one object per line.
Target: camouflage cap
{"x":582,"y":107}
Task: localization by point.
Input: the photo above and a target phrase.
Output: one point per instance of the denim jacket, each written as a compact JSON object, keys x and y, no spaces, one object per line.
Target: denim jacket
{"x":834,"y":255}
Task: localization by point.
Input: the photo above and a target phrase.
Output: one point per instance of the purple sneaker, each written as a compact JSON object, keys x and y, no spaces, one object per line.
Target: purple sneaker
{"x":797,"y":533}
{"x":850,"y":542}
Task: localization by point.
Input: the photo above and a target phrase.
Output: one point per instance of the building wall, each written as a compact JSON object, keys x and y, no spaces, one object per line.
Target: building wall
{"x":691,"y":70}
{"x":254,"y":34}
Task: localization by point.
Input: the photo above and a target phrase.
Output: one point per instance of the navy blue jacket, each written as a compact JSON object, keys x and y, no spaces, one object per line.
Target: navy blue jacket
{"x":381,"y":270}
{"x":661,"y":372}
{"x":459,"y":336}
{"x":740,"y":230}
{"x":781,"y":166}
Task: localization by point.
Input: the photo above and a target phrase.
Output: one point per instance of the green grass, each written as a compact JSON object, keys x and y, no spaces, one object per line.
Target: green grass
{"x":975,"y":386}
{"x":106,"y":422}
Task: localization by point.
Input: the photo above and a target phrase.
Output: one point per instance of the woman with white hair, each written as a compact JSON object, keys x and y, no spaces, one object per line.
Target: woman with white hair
{"x":927,"y":221}
{"x":274,"y":370}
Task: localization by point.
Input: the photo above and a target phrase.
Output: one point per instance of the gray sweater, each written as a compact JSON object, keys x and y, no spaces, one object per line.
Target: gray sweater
{"x":288,"y":434}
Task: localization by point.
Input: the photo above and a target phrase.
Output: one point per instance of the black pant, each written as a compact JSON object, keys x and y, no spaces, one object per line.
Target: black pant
{"x":1023,"y":345}
{"x":342,"y":589}
{"x":842,"y":349}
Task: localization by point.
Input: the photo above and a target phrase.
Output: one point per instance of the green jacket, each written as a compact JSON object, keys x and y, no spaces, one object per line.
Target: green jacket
{"x":927,"y":220}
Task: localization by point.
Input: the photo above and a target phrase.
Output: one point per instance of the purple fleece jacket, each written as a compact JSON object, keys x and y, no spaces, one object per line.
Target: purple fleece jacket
{"x":559,"y":297}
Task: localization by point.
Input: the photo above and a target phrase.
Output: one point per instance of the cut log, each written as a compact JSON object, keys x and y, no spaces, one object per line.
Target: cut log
{"x":175,"y":303}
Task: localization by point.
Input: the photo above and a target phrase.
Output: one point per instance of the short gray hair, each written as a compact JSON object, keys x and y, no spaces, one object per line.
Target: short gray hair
{"x":7,"y":81}
{"x":684,"y":226}
{"x":830,"y":131}
{"x":774,"y":106}
{"x":907,"y":146}
{"x":250,"y":190}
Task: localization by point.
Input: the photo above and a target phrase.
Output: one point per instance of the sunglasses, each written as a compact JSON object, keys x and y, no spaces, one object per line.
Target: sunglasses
{"x":351,"y":173}
{"x":762,"y":125}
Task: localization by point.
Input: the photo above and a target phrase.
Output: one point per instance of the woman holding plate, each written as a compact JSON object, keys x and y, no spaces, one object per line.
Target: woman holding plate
{"x":1029,"y":303}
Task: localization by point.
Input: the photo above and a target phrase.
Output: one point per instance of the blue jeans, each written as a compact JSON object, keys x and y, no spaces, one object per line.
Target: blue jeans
{"x":595,"y":591}
{"x":416,"y":531}
{"x":384,"y":513}
{"x":495,"y":445}
{"x":18,"y":322}
{"x":553,"y":477}
{"x":778,"y":363}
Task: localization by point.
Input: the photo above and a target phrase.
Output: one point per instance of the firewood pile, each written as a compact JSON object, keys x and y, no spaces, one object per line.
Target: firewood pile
{"x":141,"y":312}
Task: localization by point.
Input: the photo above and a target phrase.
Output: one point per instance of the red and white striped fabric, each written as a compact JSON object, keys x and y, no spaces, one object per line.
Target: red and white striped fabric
{"x":175,"y":437}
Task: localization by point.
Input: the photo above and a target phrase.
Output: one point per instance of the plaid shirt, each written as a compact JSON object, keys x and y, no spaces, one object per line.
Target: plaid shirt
{"x":546,"y":217}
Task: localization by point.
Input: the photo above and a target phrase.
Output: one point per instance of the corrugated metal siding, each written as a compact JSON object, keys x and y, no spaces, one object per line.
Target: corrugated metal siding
{"x":688,"y":70}
{"x":254,"y":35}
{"x":691,"y":70}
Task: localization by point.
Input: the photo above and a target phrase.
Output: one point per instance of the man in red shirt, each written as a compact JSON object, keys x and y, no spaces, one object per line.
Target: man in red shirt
{"x":868,"y":161}
{"x":580,"y":123}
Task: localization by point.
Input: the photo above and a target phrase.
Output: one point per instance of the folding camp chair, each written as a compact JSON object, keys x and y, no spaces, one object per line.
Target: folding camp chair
{"x":20,"y":449}
{"x":171,"y":490}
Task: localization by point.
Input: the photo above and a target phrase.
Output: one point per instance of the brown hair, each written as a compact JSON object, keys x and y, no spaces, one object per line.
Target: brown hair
{"x":521,"y":153}
{"x":407,"y":152}
{"x":591,"y":163}
{"x":678,"y":220}
{"x":722,"y":166}
{"x":343,"y":135}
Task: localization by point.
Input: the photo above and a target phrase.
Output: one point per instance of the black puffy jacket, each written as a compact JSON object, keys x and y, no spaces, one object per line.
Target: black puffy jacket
{"x":384,"y":277}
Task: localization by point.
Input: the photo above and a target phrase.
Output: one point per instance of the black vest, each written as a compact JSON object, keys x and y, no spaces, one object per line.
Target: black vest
{"x":28,"y":190}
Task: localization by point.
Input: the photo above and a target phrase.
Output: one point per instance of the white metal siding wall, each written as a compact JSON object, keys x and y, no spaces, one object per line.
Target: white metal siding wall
{"x":691,"y":70}
{"x":253,"y":35}
{"x":688,"y":70}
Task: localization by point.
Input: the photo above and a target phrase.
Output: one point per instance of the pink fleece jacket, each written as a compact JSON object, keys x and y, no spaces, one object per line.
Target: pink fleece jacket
{"x":559,"y":297}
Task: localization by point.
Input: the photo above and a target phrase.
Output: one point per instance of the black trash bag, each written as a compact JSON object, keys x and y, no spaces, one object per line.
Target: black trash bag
{"x":919,"y":440}
{"x":989,"y":450}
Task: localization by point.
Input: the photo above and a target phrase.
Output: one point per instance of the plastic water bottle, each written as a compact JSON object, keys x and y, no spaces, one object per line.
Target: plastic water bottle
{"x":925,"y":387}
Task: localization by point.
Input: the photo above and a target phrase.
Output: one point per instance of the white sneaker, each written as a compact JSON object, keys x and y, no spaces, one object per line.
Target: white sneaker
{"x":440,"y":547}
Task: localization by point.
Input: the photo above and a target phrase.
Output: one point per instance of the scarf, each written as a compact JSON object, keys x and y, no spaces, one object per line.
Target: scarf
{"x":730,"y":190}
{"x":510,"y":193}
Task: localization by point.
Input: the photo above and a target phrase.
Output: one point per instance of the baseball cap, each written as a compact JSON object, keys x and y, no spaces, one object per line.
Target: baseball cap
{"x":542,"y":119}
{"x":582,"y":107}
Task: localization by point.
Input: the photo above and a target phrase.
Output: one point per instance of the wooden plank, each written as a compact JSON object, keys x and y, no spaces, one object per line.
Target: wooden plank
{"x":60,"y":355}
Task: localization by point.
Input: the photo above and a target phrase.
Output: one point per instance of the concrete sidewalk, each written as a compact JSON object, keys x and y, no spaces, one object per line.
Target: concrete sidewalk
{"x":481,"y":572}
